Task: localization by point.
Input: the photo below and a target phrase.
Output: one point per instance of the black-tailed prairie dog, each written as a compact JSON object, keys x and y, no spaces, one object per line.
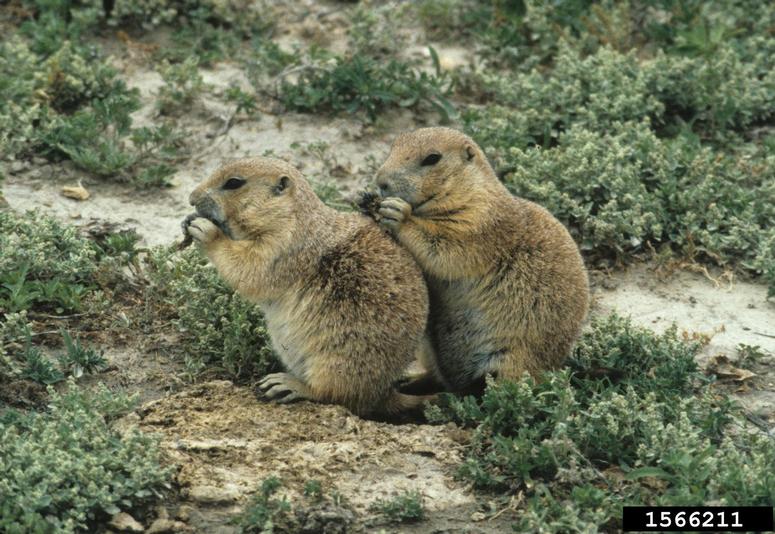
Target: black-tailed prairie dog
{"x":508,"y":287}
{"x":345,"y":307}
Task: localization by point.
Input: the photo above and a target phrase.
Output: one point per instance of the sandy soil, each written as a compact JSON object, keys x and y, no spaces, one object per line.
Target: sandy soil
{"x":226,"y":443}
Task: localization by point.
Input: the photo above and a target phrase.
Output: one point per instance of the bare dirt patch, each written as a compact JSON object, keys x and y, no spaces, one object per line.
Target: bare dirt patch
{"x":226,"y":442}
{"x":729,"y":313}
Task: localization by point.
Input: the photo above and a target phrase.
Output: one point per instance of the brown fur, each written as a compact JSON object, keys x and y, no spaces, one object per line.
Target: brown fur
{"x":345,"y":306}
{"x":508,"y":287}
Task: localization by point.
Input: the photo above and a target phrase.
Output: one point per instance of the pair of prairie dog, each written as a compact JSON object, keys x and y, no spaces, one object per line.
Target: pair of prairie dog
{"x":479,"y":282}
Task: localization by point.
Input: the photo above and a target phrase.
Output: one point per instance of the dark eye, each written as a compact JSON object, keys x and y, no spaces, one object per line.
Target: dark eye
{"x":233,"y":183}
{"x":430,"y":159}
{"x":282,"y":185}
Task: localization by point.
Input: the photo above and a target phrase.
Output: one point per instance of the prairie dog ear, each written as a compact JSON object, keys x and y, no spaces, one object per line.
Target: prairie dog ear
{"x":469,"y":152}
{"x":283,"y":183}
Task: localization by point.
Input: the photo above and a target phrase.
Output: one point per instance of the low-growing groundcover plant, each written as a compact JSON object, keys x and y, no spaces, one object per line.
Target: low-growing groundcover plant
{"x":220,"y":331}
{"x":316,"y":511}
{"x":66,"y":469}
{"x":406,"y":507}
{"x":62,"y":99}
{"x":362,"y":83}
{"x":630,"y":422}
{"x":634,"y":154}
{"x":49,"y":269}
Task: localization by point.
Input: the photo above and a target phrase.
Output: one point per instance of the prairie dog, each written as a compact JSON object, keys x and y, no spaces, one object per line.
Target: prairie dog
{"x":345,"y":306}
{"x":508,"y":287}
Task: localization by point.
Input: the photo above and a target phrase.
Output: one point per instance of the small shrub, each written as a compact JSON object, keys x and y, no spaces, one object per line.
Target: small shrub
{"x":38,"y":250}
{"x":606,"y":89}
{"x":245,"y":102}
{"x":15,"y":330}
{"x":65,"y":470}
{"x":360,"y":83}
{"x":57,"y":21}
{"x":631,"y":423}
{"x":730,"y":90}
{"x":240,"y":17}
{"x":266,"y":59}
{"x":597,"y":92}
{"x":620,"y":191}
{"x":404,"y":508}
{"x":71,"y":78}
{"x":313,"y":489}
{"x":749,"y":356}
{"x":624,"y":355}
{"x":183,"y":84}
{"x":372,"y":28}
{"x":62,"y":99}
{"x":315,"y":512}
{"x":49,"y":265}
{"x":200,"y":39}
{"x":38,"y":367}
{"x":601,"y":186}
{"x":73,"y":362}
{"x":453,"y":19}
{"x":93,"y":136}
{"x":265,"y":513}
{"x":78,"y":359}
{"x":220,"y":331}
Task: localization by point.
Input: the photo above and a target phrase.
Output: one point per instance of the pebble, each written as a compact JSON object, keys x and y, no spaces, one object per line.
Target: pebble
{"x":123,"y":522}
{"x":213,"y":494}
{"x":18,"y":166}
{"x":161,"y":526}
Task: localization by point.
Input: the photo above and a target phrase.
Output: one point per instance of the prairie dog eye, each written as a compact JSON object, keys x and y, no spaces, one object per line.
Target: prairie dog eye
{"x":430,"y":159}
{"x":282,"y":185}
{"x":233,"y":183}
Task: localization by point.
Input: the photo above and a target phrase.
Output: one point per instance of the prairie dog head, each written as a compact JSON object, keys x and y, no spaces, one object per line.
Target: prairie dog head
{"x":252,"y":198}
{"x":429,"y":162}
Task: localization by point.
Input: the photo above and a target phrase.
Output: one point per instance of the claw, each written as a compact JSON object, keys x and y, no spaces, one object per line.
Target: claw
{"x":277,"y":391}
{"x":282,"y":388}
{"x":271,"y":380}
{"x":293,"y":396}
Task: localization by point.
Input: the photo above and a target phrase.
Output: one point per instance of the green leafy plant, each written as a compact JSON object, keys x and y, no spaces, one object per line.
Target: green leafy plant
{"x":66,"y":469}
{"x":406,"y":507}
{"x":77,"y":359}
{"x":183,"y":84}
{"x":240,"y":17}
{"x":631,"y":422}
{"x":313,"y":489}
{"x":245,"y":102}
{"x":220,"y":331}
{"x":15,"y":331}
{"x":361,"y":83}
{"x":373,"y":28}
{"x":38,"y":367}
{"x":266,"y":513}
{"x":314,"y":512}
{"x":626,"y":191}
{"x":51,"y":266}
{"x":63,"y":100}
{"x":749,"y":356}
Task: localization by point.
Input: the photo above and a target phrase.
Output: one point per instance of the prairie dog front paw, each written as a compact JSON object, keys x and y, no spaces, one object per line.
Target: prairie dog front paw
{"x":394,"y":212}
{"x":203,"y":230}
